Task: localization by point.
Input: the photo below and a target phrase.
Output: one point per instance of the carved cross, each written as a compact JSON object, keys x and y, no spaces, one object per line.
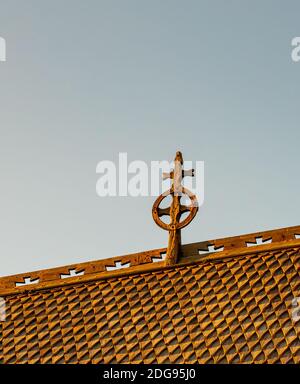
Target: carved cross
{"x":176,"y":210}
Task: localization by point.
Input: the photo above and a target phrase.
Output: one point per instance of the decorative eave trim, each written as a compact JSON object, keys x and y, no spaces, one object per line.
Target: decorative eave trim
{"x":237,"y":246}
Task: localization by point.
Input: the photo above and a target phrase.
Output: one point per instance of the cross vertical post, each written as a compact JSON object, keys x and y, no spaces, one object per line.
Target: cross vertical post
{"x":176,"y":210}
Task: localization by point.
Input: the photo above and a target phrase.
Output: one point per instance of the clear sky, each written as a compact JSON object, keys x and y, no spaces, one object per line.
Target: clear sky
{"x":85,"y":80}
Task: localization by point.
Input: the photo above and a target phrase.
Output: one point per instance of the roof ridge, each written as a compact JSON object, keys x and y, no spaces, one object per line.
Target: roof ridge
{"x":147,"y":261}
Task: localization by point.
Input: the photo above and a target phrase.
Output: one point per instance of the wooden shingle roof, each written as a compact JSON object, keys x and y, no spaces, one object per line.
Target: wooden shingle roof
{"x":227,"y":300}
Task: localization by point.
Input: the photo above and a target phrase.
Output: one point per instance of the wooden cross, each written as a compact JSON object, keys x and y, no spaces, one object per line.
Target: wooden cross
{"x":176,"y":210}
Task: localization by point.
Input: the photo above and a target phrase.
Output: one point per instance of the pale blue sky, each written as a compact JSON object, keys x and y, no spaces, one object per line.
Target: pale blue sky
{"x":85,"y":80}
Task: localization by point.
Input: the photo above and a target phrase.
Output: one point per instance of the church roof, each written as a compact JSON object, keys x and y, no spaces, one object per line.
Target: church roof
{"x":228,"y":300}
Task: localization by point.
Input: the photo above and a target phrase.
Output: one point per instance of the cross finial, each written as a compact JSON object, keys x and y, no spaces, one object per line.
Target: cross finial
{"x":176,"y":210}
